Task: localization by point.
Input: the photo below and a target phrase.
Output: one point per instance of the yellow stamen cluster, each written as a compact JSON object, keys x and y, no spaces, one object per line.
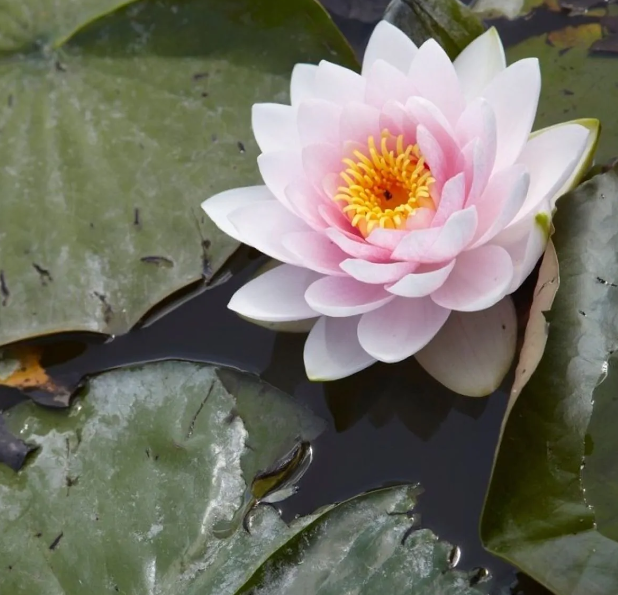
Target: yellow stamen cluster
{"x":385,"y":186}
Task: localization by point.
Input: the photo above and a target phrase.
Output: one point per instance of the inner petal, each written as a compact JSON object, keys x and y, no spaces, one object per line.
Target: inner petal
{"x":385,"y":185}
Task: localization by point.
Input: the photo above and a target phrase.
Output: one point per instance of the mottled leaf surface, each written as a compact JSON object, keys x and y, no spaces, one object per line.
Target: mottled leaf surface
{"x":127,"y":486}
{"x":552,"y":508}
{"x":114,"y":130}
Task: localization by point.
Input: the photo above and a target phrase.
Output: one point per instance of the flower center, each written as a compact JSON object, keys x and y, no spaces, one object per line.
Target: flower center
{"x":386,"y":187}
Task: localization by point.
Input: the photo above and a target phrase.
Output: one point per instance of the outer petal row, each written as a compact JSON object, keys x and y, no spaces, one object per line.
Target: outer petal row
{"x":470,"y":353}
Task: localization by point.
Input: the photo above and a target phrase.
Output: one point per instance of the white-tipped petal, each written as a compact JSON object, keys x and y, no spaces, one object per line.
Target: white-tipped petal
{"x":220,"y":206}
{"x":399,"y":329}
{"x":338,"y":84}
{"x":553,"y":157}
{"x":276,"y":296}
{"x":278,"y":170}
{"x":480,"y":278}
{"x":344,"y":296}
{"x":302,"y":81}
{"x":315,"y":251}
{"x":514,"y":97}
{"x":274,"y":126}
{"x":500,"y":202}
{"x":376,"y":272}
{"x":479,"y":63}
{"x":332,"y":350}
{"x":390,"y":44}
{"x":434,"y":76}
{"x":422,"y":283}
{"x":318,"y":122}
{"x":439,"y":244}
{"x":263,"y":225}
{"x":473,"y":351}
{"x":525,"y":242}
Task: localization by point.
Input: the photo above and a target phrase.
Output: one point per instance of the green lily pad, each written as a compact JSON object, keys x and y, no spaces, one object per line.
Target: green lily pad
{"x":552,"y":508}
{"x":128,"y":486}
{"x":113,"y":132}
{"x":451,"y":23}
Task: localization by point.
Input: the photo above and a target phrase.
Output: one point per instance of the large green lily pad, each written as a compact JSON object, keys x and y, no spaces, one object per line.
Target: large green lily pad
{"x":113,"y":132}
{"x":129,"y":484}
{"x":552,"y":506}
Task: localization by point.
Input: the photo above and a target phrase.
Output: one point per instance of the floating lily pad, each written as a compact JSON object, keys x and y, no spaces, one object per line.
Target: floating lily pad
{"x":114,"y":129}
{"x":552,"y":506}
{"x":128,"y":485}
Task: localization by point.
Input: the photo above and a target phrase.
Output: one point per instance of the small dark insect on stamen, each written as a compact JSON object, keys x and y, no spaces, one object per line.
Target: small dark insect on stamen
{"x":387,"y":194}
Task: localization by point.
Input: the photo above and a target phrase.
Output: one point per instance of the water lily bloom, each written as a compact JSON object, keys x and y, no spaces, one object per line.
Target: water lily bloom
{"x":406,"y":203}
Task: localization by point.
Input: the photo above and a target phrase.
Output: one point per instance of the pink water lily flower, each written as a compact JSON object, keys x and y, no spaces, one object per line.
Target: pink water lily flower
{"x":406,"y":203}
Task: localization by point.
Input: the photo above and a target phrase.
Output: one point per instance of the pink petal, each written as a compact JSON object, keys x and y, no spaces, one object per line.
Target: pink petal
{"x":358,"y":122}
{"x":357,"y":247}
{"x":220,"y":206}
{"x":305,"y":201}
{"x":276,"y":296}
{"x":274,"y":126}
{"x":525,"y":241}
{"x":387,"y":239}
{"x":439,"y":244}
{"x":477,"y":165}
{"x":344,"y":296}
{"x":390,"y":44}
{"x":451,"y":200}
{"x":420,"y":219}
{"x":435,"y":157}
{"x":320,"y":161}
{"x":380,"y":273}
{"x":278,"y":169}
{"x":478,"y":121}
{"x":332,"y":215}
{"x":479,"y":63}
{"x":502,"y":200}
{"x":480,"y":279}
{"x":423,"y":112}
{"x":399,"y":329}
{"x":477,"y":134}
{"x":332,"y":350}
{"x":318,"y":122}
{"x":434,"y":75}
{"x":262,"y":226}
{"x":385,"y":83}
{"x":394,"y":116}
{"x":315,"y":251}
{"x":473,"y":351}
{"x":551,"y":157}
{"x":422,"y":282}
{"x":338,"y":84}
{"x":514,"y":95}
{"x":302,"y":82}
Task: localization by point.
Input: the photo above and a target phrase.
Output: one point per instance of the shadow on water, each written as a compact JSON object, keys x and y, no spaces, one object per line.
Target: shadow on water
{"x":388,"y":423}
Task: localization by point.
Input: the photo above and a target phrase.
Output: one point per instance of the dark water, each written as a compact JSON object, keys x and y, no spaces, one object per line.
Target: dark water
{"x":387,"y":424}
